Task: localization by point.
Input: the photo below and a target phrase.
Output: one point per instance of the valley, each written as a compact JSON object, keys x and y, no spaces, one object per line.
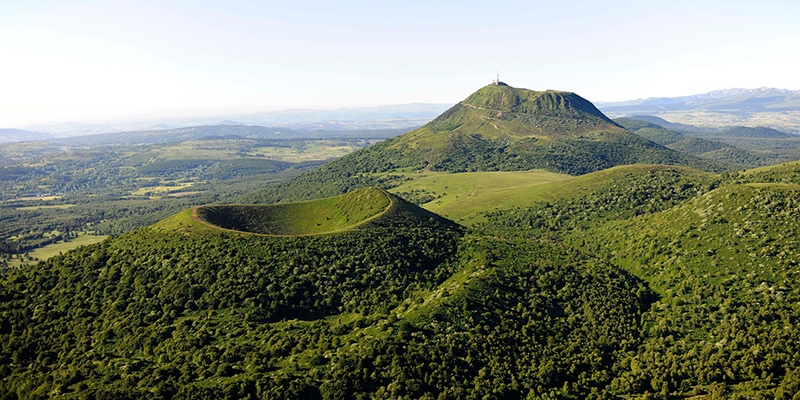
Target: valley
{"x":51,"y":192}
{"x":520,"y":245}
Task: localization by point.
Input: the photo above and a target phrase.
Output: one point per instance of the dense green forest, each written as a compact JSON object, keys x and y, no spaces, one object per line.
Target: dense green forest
{"x":411,"y":306}
{"x":709,"y":149}
{"x":722,"y":256}
{"x":663,"y":282}
{"x":671,"y":280}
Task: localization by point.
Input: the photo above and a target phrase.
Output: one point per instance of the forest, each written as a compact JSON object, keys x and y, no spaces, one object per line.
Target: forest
{"x":274,"y":268}
{"x":679,"y":288}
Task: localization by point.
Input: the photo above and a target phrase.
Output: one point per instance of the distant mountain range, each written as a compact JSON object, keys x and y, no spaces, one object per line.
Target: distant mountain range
{"x":728,"y":100}
{"x":770,"y":107}
{"x":720,"y":109}
{"x":19,"y":135}
{"x":402,"y":116}
{"x":223,"y":131}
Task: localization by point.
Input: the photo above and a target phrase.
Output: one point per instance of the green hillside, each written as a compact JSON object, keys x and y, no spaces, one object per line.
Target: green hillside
{"x":573,"y":274}
{"x":644,"y":281}
{"x":497,"y":128}
{"x":712,"y":150}
{"x":408,"y":305}
{"x":722,"y":255}
{"x":754,"y":132}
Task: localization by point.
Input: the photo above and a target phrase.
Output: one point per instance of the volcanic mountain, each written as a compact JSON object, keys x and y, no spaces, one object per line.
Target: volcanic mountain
{"x":363,"y":208}
{"x":497,"y":128}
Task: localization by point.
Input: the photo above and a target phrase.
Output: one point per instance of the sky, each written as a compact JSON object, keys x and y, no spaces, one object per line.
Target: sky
{"x":92,"y":61}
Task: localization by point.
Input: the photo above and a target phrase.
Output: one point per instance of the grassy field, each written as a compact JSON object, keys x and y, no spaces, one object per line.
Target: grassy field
{"x":32,"y":208}
{"x":777,"y":168}
{"x":229,"y":149}
{"x":459,"y":196}
{"x":55,"y":249}
{"x":157,"y":191}
{"x":462,"y":196}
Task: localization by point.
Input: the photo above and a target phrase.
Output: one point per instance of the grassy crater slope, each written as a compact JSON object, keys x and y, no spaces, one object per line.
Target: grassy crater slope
{"x":302,"y":218}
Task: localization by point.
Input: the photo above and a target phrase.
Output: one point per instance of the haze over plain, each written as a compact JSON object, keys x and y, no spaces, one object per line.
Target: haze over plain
{"x":99,"y":61}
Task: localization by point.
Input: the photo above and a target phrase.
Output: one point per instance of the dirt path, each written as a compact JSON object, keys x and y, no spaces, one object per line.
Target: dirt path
{"x":428,"y":162}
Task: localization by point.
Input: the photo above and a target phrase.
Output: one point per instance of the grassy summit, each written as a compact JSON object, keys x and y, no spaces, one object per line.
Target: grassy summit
{"x":525,"y":112}
{"x":507,"y":113}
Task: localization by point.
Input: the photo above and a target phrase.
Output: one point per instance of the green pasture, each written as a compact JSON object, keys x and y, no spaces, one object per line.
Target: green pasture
{"x":460,"y":195}
{"x":43,"y":253}
{"x":57,"y":206}
{"x":159,"y":190}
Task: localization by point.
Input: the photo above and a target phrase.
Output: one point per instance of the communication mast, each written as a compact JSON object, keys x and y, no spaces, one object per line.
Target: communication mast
{"x":497,"y":81}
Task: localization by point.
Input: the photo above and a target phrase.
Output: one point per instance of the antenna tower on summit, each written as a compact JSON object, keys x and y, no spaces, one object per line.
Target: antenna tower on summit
{"x":497,"y":81}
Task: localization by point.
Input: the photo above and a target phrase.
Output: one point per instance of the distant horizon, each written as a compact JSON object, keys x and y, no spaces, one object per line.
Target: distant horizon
{"x":166,"y":117}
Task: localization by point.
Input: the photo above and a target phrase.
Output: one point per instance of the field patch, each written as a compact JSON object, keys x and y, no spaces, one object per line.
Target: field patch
{"x":52,"y":250}
{"x":459,"y":196}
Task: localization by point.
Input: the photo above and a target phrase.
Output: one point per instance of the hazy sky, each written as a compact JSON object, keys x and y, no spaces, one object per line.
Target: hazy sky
{"x":100,"y":60}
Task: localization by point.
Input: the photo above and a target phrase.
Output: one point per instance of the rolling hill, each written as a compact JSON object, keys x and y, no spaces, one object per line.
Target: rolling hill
{"x":712,"y":150}
{"x":409,"y":304}
{"x":720,"y":253}
{"x":354,"y":210}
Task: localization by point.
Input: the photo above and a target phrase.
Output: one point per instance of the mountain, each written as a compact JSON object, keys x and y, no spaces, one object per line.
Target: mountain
{"x":19,"y":135}
{"x":634,"y":281}
{"x":721,"y":109}
{"x":497,"y":128}
{"x":223,"y":131}
{"x":733,"y":100}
